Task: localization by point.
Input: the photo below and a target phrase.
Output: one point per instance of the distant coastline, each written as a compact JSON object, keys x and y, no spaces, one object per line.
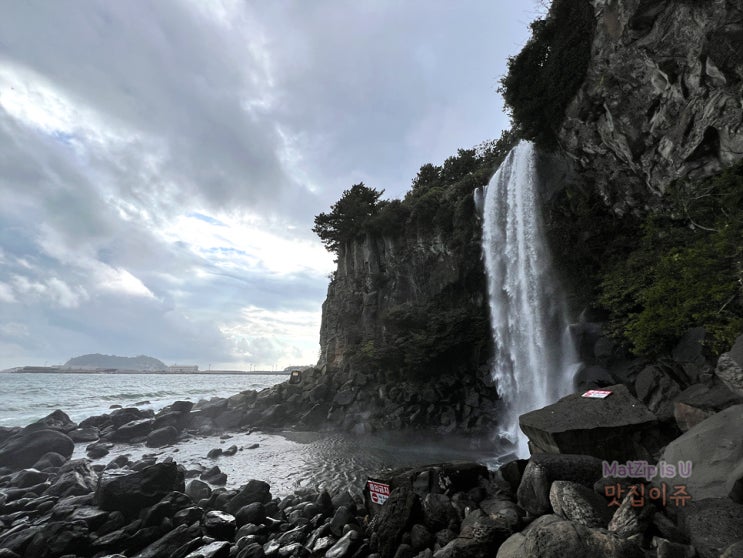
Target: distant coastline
{"x":58,"y":370}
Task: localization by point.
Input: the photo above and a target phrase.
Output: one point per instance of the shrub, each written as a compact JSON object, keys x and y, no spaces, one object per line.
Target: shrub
{"x":545,"y":76}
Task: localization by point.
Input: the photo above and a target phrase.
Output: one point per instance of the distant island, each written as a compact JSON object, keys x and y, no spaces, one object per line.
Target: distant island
{"x":141,"y":364}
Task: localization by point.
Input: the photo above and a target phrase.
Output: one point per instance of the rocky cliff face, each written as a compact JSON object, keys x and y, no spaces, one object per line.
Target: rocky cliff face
{"x":405,"y":333}
{"x":662,"y":99}
{"x":380,"y":276}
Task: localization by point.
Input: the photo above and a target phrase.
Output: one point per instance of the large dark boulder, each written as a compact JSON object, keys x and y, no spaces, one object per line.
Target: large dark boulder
{"x":713,"y":453}
{"x":28,"y":446}
{"x":543,"y":469}
{"x":618,"y":427}
{"x":553,"y":537}
{"x":135,"y":429}
{"x":129,"y":493}
{"x":56,"y":420}
{"x":162,"y":437}
{"x":253,"y":491}
{"x":401,"y":510}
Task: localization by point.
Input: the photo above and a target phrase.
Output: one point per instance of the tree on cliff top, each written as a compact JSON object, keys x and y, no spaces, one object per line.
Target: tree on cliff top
{"x":347,"y":216}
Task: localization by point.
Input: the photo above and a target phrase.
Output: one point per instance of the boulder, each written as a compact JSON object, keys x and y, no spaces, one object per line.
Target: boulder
{"x":253,"y":491}
{"x":699,"y":401}
{"x":198,"y":490}
{"x":542,"y":470}
{"x":75,"y":478}
{"x":656,"y":388}
{"x":162,"y":437}
{"x":553,"y":537}
{"x":28,"y":446}
{"x":219,"y":525}
{"x":630,"y":519}
{"x":120,"y":417}
{"x":617,"y":427}
{"x":579,"y":503}
{"x":712,"y":525}
{"x":129,"y":493}
{"x":730,"y":367}
{"x":400,"y":511}
{"x":56,"y":420}
{"x":84,"y":434}
{"x":708,"y":459}
{"x":133,"y":429}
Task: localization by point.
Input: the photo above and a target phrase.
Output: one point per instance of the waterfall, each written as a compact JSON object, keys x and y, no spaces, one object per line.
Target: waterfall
{"x":531,"y":365}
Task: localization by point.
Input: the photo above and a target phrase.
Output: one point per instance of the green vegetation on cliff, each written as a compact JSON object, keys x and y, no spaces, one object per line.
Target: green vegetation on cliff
{"x":677,"y":267}
{"x":544,"y":77}
{"x":686,"y":269}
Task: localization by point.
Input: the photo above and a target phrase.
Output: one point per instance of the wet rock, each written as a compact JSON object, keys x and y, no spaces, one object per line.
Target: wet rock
{"x":27,"y":447}
{"x":219,"y":525}
{"x":84,"y":434}
{"x":251,"y":513}
{"x":198,"y":490}
{"x":344,"y":547}
{"x":252,"y":491}
{"x":212,"y":408}
{"x":252,"y":550}
{"x":342,"y":517}
{"x":617,"y":427}
{"x":718,"y":436}
{"x":162,"y":437}
{"x":181,"y":406}
{"x":543,"y":469}
{"x":188,"y":516}
{"x":132,"y":430}
{"x":168,"y":544}
{"x":96,"y":451}
{"x":56,"y":420}
{"x":75,"y":478}
{"x":120,"y":417}
{"x":578,"y":503}
{"x":214,"y":475}
{"x":479,"y":537}
{"x":214,"y":453}
{"x":232,"y":450}
{"x":552,"y":537}
{"x":59,"y":538}
{"x":129,"y":493}
{"x":28,"y":477}
{"x":216,"y":549}
{"x":165,"y":509}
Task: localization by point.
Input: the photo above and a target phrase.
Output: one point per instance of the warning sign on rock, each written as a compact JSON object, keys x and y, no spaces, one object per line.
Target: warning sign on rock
{"x":379,"y":492}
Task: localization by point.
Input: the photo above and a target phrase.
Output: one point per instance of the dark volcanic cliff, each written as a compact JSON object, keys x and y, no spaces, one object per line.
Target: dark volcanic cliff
{"x":662,"y":98}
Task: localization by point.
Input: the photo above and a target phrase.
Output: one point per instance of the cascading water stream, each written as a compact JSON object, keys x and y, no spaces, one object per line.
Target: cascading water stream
{"x":532,"y":359}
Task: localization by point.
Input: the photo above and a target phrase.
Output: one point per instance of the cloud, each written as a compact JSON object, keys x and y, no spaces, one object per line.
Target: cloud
{"x":161,"y":162}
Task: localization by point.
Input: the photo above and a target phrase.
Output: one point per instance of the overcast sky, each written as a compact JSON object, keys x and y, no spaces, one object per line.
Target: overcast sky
{"x":161,"y":161}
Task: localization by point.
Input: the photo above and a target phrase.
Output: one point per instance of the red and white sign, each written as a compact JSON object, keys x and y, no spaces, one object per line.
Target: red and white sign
{"x":597,"y":393}
{"x":379,"y":492}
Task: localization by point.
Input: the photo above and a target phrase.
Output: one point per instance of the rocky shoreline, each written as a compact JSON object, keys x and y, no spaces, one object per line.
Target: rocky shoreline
{"x":655,"y":470}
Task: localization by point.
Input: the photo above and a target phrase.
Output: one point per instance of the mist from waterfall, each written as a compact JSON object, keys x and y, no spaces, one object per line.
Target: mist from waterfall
{"x":533,"y":352}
